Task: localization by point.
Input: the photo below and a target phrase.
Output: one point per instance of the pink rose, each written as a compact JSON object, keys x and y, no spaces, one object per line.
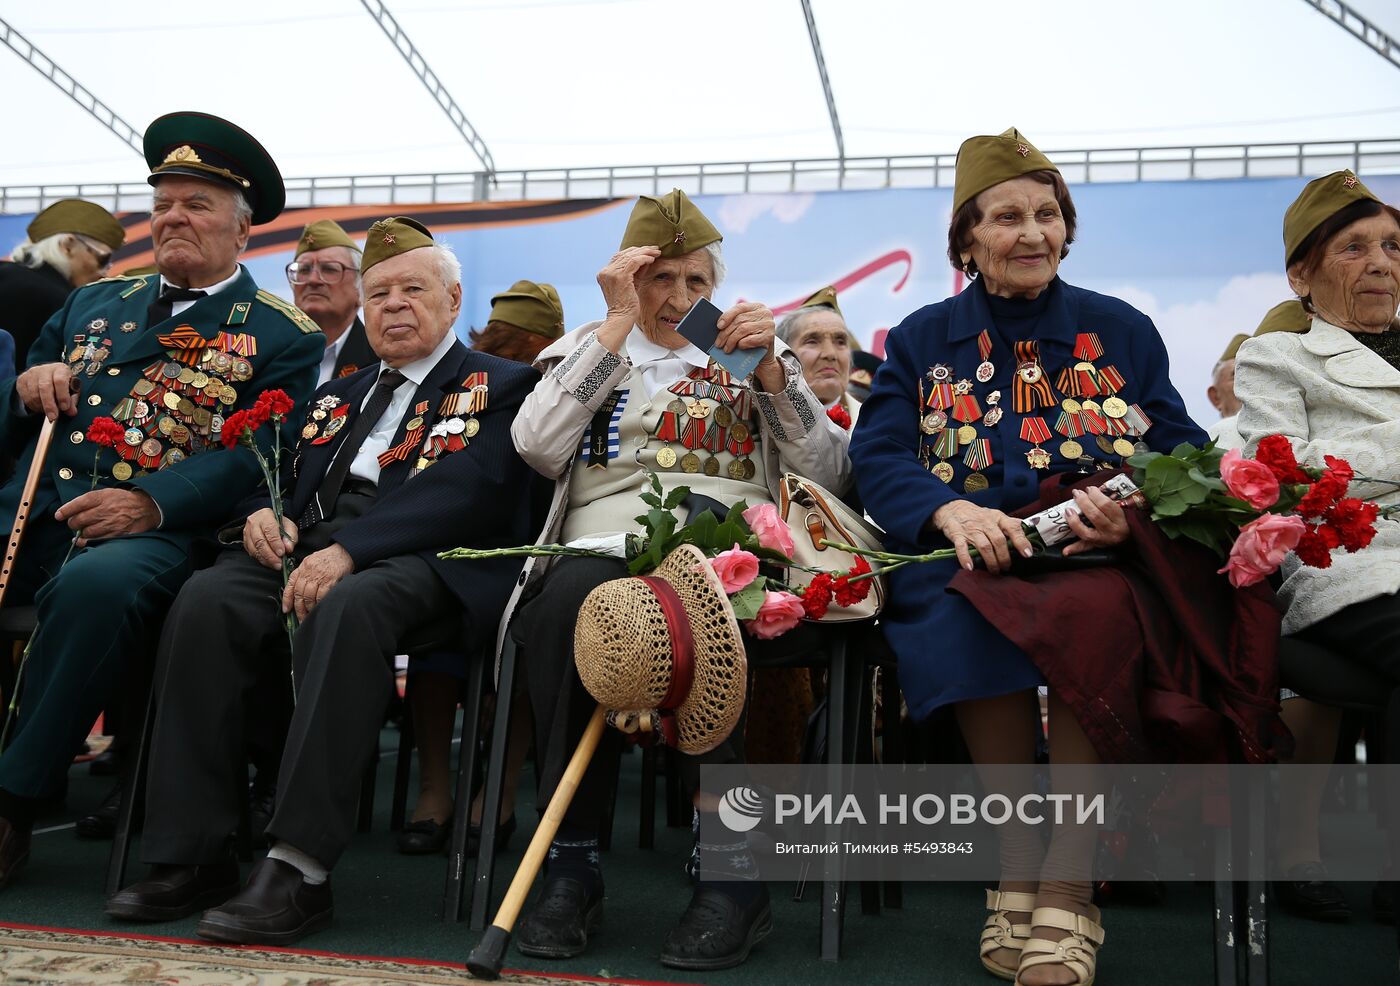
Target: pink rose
{"x":736,"y":568}
{"x":1248,"y":480}
{"x":780,"y":612}
{"x":771,"y":530}
{"x":1261,"y":547}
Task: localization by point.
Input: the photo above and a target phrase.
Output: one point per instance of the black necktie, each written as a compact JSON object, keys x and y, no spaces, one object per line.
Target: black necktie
{"x":379,"y":401}
{"x":162,"y":307}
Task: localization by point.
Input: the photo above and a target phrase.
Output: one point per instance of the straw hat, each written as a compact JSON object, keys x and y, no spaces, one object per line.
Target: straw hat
{"x":639,"y":639}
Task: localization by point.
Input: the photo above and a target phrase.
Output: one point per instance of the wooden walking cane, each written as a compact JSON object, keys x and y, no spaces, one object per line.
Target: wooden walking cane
{"x":489,"y":955}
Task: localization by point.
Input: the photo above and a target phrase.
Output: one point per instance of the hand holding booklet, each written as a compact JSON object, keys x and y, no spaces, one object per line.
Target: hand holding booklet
{"x":701,"y":327}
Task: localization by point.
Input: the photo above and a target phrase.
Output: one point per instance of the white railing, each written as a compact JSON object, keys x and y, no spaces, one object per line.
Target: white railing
{"x":1185,"y":163}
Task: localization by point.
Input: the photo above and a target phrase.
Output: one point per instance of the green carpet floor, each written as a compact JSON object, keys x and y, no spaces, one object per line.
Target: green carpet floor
{"x":389,"y":905}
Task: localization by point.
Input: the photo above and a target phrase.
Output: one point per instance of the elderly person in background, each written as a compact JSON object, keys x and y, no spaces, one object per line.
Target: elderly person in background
{"x":1286,"y":316}
{"x":817,"y":333}
{"x":68,"y":245}
{"x":325,"y":280}
{"x":524,"y":319}
{"x":1334,"y":390}
{"x":621,"y":398}
{"x":954,"y":437}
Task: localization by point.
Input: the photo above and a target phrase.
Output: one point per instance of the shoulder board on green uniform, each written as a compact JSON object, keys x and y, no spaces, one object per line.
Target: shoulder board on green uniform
{"x":300,"y":318}
{"x":135,"y":282}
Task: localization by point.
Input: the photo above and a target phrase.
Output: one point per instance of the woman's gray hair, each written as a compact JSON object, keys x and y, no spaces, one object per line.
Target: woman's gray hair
{"x":716,"y":262}
{"x":792,"y":321}
{"x":49,"y":251}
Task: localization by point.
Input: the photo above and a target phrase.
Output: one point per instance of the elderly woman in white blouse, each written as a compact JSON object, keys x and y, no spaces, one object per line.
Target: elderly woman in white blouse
{"x":620,"y":399}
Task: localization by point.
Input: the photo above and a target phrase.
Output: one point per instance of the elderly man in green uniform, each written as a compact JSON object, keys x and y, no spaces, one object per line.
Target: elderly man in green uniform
{"x":325,"y":280}
{"x":167,"y":358}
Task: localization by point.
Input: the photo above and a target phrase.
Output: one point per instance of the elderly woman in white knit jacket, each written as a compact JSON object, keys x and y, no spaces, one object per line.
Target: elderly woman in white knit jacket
{"x":620,"y":399}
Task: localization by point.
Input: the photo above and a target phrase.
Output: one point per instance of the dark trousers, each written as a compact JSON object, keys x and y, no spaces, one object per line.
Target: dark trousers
{"x":562,"y":706}
{"x":1367,"y":632}
{"x":96,"y":614}
{"x":223,"y":634}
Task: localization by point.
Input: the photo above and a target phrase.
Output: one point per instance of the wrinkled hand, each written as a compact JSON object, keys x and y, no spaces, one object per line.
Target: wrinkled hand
{"x":108,"y":514}
{"x":260,"y":538}
{"x":1105,"y":527}
{"x":314,"y":577}
{"x":619,"y":281}
{"x":750,"y":325}
{"x":966,"y":525}
{"x":49,"y":387}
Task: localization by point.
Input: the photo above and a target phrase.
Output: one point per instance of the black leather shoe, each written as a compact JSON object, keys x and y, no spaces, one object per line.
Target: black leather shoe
{"x":503,"y":833}
{"x":171,"y":892}
{"x":558,"y":926}
{"x":424,"y":837}
{"x":277,"y":907}
{"x":1309,"y":894}
{"x":102,"y":823}
{"x":717,"y":931}
{"x":14,"y":850}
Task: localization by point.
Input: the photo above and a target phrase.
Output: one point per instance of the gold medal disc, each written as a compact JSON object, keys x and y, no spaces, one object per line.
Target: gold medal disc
{"x":1071,"y":450}
{"x":1123,"y":447}
{"x":975,"y":483}
{"x":966,"y":435}
{"x":943,"y":471}
{"x":690,"y":462}
{"x":1115,"y":407}
{"x":666,"y":457}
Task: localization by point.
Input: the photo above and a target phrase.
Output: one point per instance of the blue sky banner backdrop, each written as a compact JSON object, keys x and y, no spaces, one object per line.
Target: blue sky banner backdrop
{"x":1204,"y":259}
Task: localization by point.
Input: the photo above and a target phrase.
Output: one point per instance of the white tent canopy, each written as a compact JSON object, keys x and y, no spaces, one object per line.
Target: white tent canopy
{"x":556,"y":83}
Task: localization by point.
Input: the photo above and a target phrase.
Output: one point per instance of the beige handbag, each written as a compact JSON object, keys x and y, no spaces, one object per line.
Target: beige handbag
{"x":816,"y":515}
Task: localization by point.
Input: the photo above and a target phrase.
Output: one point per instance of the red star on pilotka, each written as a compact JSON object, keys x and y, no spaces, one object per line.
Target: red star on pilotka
{"x":388,"y":237}
{"x":1349,"y":181}
{"x":1023,"y":150}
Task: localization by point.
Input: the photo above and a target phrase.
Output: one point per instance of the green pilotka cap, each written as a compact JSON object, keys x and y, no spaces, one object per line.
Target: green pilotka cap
{"x":1234,"y":347}
{"x":671,"y":222}
{"x":77,"y":216}
{"x":987,"y":161}
{"x":1286,"y":316}
{"x":826,"y":296}
{"x":533,"y":307}
{"x":322,"y":234}
{"x":391,"y":237}
{"x":1321,"y":199}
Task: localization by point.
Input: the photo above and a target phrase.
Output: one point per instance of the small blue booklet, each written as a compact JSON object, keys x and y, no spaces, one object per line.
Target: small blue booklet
{"x":700,"y":326}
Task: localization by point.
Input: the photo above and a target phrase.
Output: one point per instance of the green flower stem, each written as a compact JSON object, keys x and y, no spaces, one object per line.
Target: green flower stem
{"x":890,"y":560}
{"x":524,"y":551}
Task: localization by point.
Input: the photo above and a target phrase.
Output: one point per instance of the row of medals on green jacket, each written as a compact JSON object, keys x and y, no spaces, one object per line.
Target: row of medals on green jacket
{"x":950,"y":413}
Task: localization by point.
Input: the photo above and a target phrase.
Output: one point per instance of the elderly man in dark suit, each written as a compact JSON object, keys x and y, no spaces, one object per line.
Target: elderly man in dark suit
{"x":397,"y":462}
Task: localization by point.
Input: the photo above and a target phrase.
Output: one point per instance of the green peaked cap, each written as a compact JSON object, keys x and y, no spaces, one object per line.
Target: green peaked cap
{"x":78,"y":216}
{"x":1286,"y":316}
{"x":987,"y":161}
{"x":671,"y":222}
{"x":826,"y":296}
{"x":206,"y":146}
{"x":1321,"y":199}
{"x":321,"y":234}
{"x":533,"y":307}
{"x":391,"y":237}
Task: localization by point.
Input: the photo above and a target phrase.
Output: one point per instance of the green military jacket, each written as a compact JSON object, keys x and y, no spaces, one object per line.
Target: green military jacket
{"x":170,"y":385}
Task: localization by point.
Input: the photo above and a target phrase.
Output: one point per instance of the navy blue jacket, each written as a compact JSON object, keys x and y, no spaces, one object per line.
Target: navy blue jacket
{"x":481,"y":496}
{"x":947,"y":651}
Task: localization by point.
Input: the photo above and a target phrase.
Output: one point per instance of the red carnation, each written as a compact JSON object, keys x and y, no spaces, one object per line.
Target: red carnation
{"x":1330,"y":487}
{"x":840,"y":415}
{"x":105,"y":432}
{"x":849,"y":593}
{"x":1315,"y":546}
{"x":274,"y":403}
{"x":1276,"y":452}
{"x":234,"y":427}
{"x":816,"y":597}
{"x":1354,"y":522}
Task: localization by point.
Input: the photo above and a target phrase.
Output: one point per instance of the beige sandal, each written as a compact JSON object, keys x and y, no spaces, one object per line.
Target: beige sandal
{"x":1077,"y":951}
{"x":999,"y":932}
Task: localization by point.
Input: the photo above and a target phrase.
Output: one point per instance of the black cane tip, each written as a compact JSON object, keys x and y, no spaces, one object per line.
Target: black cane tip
{"x":490,"y":954}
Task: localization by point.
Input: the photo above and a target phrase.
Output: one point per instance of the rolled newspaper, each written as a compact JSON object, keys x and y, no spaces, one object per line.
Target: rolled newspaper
{"x":1051,"y":526}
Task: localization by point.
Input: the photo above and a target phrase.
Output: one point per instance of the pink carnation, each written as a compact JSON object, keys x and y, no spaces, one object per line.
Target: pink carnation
{"x":736,"y":568}
{"x":771,"y":530}
{"x":1261,"y":547}
{"x":1253,"y":482}
{"x":780,"y":612}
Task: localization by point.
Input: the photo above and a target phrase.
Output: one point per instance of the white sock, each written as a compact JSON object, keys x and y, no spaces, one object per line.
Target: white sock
{"x":311,"y":871}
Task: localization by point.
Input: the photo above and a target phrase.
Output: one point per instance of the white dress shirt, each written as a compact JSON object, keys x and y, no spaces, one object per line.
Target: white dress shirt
{"x":660,"y":367}
{"x":331,"y":355}
{"x":179,"y":306}
{"x":365,"y":465}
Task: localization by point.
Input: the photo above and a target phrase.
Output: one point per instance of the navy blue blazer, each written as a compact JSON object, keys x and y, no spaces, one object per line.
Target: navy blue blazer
{"x":482,"y":496}
{"x":947,"y":651}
